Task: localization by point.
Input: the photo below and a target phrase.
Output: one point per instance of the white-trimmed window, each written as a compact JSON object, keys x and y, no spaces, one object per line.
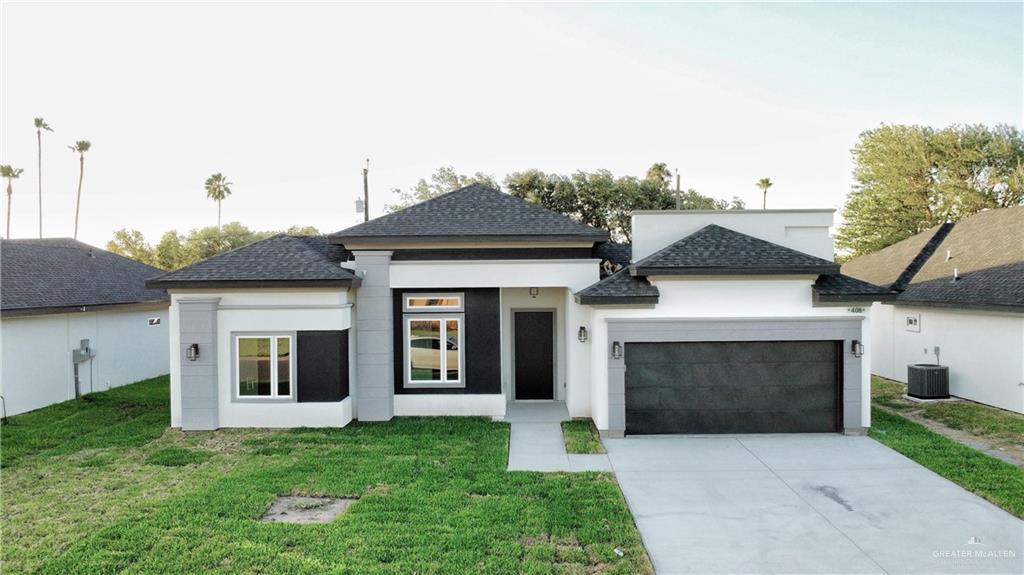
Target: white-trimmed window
{"x":432,"y":302}
{"x":433,"y":350}
{"x":264,"y":366}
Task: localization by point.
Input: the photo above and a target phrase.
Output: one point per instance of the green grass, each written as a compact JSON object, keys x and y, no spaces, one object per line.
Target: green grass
{"x":581,"y":436}
{"x":979,"y":420}
{"x":127,"y":416}
{"x":434,"y":497}
{"x":976,"y":419}
{"x":995,"y":480}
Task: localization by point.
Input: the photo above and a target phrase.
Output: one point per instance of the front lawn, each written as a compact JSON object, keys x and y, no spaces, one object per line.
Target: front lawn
{"x":995,"y":480}
{"x":581,"y":436}
{"x":102,"y":486}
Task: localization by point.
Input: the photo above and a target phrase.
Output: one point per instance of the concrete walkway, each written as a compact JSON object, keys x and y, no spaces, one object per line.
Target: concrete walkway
{"x":806,"y":504}
{"x":537,"y":445}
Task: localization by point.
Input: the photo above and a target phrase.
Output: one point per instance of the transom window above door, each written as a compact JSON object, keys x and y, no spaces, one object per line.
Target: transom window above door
{"x":432,"y":302}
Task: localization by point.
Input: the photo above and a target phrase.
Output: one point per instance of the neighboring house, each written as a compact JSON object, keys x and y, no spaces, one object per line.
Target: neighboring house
{"x":961,"y":292}
{"x":728,"y":321}
{"x":57,"y":293}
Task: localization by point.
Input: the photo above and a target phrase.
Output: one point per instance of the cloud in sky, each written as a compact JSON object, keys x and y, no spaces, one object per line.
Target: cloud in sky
{"x":288,"y":100}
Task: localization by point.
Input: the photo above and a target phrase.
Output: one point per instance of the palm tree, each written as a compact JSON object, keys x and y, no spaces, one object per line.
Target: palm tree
{"x":764,"y":184}
{"x":80,"y":148}
{"x":217,"y":188}
{"x":40,"y":126}
{"x":11,"y":174}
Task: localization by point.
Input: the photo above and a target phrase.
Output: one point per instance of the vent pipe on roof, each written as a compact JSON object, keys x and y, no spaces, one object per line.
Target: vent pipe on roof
{"x":949,"y":255}
{"x":956,"y":274}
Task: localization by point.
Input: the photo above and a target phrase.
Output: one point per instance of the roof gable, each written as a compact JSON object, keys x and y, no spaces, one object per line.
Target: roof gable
{"x":279,"y":260}
{"x":56,"y":273}
{"x":720,"y":251}
{"x":475,"y":212}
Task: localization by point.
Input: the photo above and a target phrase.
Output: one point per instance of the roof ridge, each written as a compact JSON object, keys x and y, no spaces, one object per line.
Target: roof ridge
{"x":222,"y":254}
{"x":922,"y":257}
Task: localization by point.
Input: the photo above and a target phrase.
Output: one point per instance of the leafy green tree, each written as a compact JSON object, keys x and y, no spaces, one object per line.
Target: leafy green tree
{"x":40,"y":125}
{"x":601,"y":200}
{"x":169,"y":252}
{"x":764,"y":184}
{"x":444,"y":180}
{"x":131,"y":244}
{"x":80,"y":147}
{"x":11,"y":173}
{"x":217,"y":189}
{"x":175,"y":250}
{"x":910,"y":178}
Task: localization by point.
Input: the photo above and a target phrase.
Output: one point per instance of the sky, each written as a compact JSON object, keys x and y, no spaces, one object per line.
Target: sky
{"x":288,"y":100}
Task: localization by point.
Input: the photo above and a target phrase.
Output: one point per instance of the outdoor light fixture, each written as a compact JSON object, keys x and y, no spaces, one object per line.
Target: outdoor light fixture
{"x":616,"y":350}
{"x":192,"y":352}
{"x":582,"y":334}
{"x":857,"y":348}
{"x":534,"y":292}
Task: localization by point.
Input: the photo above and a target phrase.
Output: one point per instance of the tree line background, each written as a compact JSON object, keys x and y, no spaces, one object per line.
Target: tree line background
{"x":906,"y":180}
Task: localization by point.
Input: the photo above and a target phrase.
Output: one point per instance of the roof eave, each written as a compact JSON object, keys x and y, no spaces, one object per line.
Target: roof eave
{"x":254,"y":284}
{"x":384,"y":241}
{"x":636,"y":270}
{"x":820,"y":299}
{"x":1010,"y":308}
{"x":143,"y":304}
{"x":616,"y":300}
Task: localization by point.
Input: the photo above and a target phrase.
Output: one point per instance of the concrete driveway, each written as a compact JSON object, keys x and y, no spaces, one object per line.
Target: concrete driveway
{"x":805,"y":504}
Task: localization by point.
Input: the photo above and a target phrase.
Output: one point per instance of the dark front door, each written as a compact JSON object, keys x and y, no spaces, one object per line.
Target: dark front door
{"x":733,"y":387}
{"x":533,"y":339}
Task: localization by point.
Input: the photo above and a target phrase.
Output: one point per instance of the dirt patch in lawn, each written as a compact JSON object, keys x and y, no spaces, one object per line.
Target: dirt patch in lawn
{"x":302,"y":509}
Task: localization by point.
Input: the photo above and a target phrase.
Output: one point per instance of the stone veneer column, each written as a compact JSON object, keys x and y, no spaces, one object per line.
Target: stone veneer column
{"x":375,"y":345}
{"x":197,"y":323}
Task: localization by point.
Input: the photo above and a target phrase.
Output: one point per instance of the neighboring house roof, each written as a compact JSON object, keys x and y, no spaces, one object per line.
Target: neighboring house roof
{"x":52,"y":275}
{"x":714,"y":250}
{"x":617,"y":289}
{"x":985,"y":251}
{"x":473,"y":213}
{"x":281,"y":260}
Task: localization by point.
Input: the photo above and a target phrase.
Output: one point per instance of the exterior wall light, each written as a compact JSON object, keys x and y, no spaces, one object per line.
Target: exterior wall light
{"x":857,"y":348}
{"x":582,"y":334}
{"x":616,"y":350}
{"x":192,"y":352}
{"x":534,"y":292}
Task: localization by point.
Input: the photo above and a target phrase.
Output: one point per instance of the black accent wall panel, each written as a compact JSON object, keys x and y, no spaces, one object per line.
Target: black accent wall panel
{"x":482,"y":340}
{"x":322,"y":365}
{"x":733,"y":387}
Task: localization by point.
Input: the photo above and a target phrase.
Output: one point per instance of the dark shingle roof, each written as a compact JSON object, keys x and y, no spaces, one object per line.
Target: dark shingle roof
{"x":894,"y":266}
{"x":475,"y":213}
{"x":614,"y":252}
{"x":617,"y":289}
{"x":717,"y":250}
{"x":290,"y":261}
{"x":986,"y":251}
{"x":837,"y":288}
{"x":62,"y":274}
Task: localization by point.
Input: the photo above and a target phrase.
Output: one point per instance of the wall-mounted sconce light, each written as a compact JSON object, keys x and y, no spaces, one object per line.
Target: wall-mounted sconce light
{"x":582,"y":334}
{"x":192,"y":352}
{"x":616,"y":350}
{"x":857,"y":348}
{"x":534,"y":292}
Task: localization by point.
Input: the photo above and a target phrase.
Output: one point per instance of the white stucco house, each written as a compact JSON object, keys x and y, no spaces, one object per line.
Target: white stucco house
{"x":960,"y":303}
{"x":715,"y":322}
{"x":75,"y":319}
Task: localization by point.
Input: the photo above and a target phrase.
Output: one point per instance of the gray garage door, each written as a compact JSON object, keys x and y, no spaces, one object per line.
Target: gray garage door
{"x":732,"y":387}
